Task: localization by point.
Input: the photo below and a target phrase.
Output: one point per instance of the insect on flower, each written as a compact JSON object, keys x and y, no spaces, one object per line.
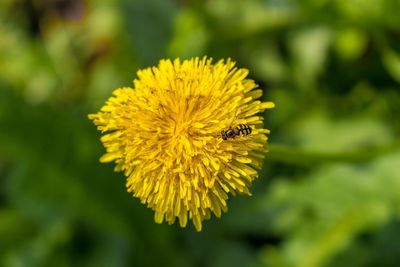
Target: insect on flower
{"x":232,"y":132}
{"x":161,"y":133}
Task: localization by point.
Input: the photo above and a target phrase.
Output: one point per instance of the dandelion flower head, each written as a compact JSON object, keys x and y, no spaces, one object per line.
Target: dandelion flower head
{"x":165,"y":135}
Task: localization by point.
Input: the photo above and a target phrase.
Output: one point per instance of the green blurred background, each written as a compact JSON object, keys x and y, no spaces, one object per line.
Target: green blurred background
{"x":329,"y":192}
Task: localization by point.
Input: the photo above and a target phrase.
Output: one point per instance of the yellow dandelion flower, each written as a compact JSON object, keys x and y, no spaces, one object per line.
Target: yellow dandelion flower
{"x":185,"y":136}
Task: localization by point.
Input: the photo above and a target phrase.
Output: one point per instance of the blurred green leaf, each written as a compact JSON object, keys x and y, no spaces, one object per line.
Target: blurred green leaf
{"x":190,"y":36}
{"x":325,"y":212}
{"x":328,"y":194}
{"x":350,"y":44}
{"x":391,"y":60}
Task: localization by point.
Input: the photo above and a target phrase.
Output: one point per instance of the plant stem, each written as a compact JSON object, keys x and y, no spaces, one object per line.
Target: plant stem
{"x":302,"y":156}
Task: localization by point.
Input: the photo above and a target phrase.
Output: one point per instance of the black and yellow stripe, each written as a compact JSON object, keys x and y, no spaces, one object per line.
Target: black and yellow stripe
{"x":243,"y":129}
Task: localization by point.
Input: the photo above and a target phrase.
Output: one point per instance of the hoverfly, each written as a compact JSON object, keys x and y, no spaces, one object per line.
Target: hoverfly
{"x":232,"y":132}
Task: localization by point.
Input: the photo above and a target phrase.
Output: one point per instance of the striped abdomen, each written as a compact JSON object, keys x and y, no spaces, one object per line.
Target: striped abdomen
{"x":240,"y":130}
{"x":243,"y":129}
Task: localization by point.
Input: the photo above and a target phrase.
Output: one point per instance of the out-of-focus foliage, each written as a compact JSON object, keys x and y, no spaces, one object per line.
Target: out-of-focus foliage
{"x":329,"y":194}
